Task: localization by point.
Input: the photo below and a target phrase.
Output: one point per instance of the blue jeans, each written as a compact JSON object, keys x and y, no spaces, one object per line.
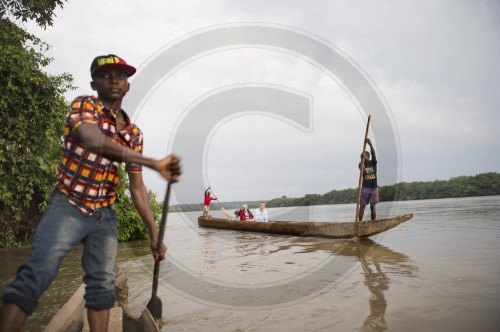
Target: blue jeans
{"x":61,"y":228}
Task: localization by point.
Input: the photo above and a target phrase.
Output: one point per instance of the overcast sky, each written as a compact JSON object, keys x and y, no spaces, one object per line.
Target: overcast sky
{"x":434,"y":65}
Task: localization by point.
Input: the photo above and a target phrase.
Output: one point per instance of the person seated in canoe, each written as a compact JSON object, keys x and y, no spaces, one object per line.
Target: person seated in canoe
{"x":235,"y":215}
{"x":206,"y":202}
{"x":260,"y":214}
{"x":244,"y":213}
{"x":369,"y":187}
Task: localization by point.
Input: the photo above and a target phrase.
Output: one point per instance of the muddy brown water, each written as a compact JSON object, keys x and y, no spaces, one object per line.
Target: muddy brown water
{"x":438,"y":272}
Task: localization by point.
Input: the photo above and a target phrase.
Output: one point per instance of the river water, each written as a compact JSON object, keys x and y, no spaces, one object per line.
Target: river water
{"x":440,"y":271}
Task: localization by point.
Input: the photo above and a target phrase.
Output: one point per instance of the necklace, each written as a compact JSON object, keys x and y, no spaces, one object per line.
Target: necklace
{"x":113,"y":112}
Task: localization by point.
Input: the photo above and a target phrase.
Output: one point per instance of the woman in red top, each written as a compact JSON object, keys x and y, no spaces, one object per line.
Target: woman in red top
{"x":244,"y":213}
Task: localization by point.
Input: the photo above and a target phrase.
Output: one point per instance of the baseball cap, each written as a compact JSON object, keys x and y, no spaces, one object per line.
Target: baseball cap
{"x":110,"y":61}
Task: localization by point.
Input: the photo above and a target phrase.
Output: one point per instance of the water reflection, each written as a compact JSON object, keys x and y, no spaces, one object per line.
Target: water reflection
{"x":208,"y":250}
{"x":67,"y":281}
{"x":249,"y":249}
{"x":246,"y":252}
{"x":377,"y":283}
{"x":377,"y":262}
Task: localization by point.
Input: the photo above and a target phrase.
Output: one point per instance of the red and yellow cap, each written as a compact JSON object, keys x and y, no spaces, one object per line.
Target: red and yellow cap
{"x":110,"y":61}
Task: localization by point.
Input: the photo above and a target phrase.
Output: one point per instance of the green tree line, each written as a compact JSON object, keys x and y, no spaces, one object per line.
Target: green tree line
{"x":484,"y":184}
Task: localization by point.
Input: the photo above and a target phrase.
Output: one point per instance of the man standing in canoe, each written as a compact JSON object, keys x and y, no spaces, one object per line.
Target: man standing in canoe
{"x":206,"y":202}
{"x":98,"y":137}
{"x":369,"y":188}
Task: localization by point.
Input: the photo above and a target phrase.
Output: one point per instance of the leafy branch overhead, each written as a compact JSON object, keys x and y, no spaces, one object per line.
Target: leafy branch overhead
{"x":40,"y":11}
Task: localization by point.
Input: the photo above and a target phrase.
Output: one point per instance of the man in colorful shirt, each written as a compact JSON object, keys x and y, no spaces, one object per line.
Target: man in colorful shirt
{"x":369,"y":188}
{"x":98,"y":137}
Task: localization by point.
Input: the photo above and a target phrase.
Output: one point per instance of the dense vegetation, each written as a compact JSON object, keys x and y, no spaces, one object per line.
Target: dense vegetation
{"x":32,"y":113}
{"x":130,"y":225}
{"x":485,"y":184}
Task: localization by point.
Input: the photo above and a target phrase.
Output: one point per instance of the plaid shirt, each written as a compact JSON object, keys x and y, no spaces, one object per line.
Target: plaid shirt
{"x":89,"y":180}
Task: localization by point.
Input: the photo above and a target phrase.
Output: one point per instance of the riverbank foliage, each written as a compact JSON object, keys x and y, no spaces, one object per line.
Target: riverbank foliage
{"x":130,"y":225}
{"x":485,"y":184}
{"x":32,"y":112}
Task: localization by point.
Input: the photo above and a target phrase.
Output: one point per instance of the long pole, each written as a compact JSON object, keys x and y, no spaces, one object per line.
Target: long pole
{"x":361,"y":169}
{"x":222,"y":208}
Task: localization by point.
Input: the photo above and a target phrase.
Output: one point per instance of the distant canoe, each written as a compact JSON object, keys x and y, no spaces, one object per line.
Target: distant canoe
{"x":336,"y":230}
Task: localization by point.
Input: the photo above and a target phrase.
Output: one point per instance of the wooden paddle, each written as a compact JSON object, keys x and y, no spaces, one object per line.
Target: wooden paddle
{"x":154,"y":305}
{"x":228,"y":215}
{"x":361,"y":169}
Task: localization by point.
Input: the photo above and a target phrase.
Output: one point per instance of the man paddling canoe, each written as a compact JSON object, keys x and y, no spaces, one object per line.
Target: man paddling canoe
{"x":98,"y":137}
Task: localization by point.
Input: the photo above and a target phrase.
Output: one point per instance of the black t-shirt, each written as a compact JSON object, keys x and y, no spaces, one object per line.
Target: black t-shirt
{"x":370,"y":174}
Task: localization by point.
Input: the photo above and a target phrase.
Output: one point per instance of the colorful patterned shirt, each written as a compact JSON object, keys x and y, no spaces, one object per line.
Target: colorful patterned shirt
{"x":89,"y":180}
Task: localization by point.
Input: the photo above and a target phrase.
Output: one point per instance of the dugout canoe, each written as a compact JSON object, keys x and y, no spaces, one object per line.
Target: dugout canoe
{"x":336,"y":230}
{"x":72,"y":315}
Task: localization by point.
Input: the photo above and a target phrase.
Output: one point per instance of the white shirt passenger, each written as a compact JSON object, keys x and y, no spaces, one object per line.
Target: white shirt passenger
{"x":260,"y":214}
